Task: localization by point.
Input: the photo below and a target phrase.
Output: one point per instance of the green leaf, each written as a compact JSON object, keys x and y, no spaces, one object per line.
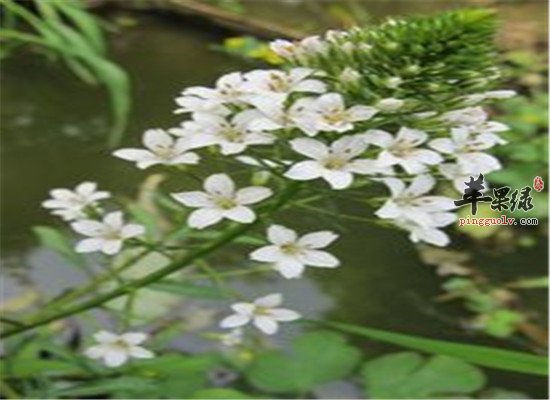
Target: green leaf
{"x":85,"y":22}
{"x":57,"y":241}
{"x":220,"y":393}
{"x":111,"y":387}
{"x":530,"y":283}
{"x":316,"y":358}
{"x":480,"y":355}
{"x":411,"y":376}
{"x":501,"y":323}
{"x":27,"y":367}
{"x":178,"y":376}
{"x":187,"y":289}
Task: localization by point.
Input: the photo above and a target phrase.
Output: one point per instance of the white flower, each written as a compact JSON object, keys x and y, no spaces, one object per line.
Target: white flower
{"x":465,"y":116}
{"x":411,"y":203}
{"x":71,"y":204}
{"x":263,"y":313}
{"x":409,"y":209}
{"x":468,"y":150}
{"x":228,"y":89}
{"x":116,"y":350}
{"x":193,"y":104}
{"x":276,"y":115}
{"x":220,"y":200}
{"x":349,"y":75}
{"x":233,"y":136}
{"x":278,"y":84}
{"x":394,"y":82}
{"x":403,"y":149}
{"x":473,"y":120}
{"x":336,"y":35}
{"x":390,"y":104}
{"x":455,"y":173}
{"x":500,"y":94}
{"x":106,"y":236}
{"x":312,"y":45}
{"x":329,"y":113}
{"x":290,"y":254}
{"x":232,"y":338}
{"x":476,"y":98}
{"x":428,"y":233}
{"x":284,"y":48}
{"x":161,"y":148}
{"x":335,"y":164}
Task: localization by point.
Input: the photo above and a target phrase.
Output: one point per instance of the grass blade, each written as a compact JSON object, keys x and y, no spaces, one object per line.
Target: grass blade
{"x":480,"y":355}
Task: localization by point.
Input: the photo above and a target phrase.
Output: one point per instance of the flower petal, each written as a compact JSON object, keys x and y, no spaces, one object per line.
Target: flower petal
{"x":361,"y":113}
{"x":111,"y":247}
{"x":269,"y":301}
{"x":220,"y":184}
{"x":140,"y":352}
{"x":95,"y":352}
{"x":157,"y":138}
{"x":204,"y":217}
{"x":267,"y":254}
{"x":193,"y":199}
{"x":338,"y":179}
{"x":290,"y":268}
{"x":115,"y":358}
{"x":132,"y":230}
{"x":134,"y":337}
{"x":279,"y":235}
{"x":318,"y":258}
{"x":88,"y":227}
{"x":310,"y":147}
{"x":134,"y":154}
{"x":349,"y":146}
{"x":284,"y":314}
{"x":240,"y":214}
{"x":243,"y":308}
{"x":234,"y":320}
{"x":420,"y":185}
{"x":443,"y":145}
{"x":89,"y":245}
{"x":318,"y":240}
{"x":252,"y":194}
{"x":378,"y":137}
{"x":114,"y":220}
{"x":304,"y":170}
{"x":105,"y":337}
{"x":266,"y":324}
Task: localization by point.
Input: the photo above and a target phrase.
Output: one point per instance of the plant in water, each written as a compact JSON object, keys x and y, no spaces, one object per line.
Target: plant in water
{"x":397,"y":108}
{"x":63,"y":29}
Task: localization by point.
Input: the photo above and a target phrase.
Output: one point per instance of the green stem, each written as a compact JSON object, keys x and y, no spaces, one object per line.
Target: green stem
{"x":83,"y":290}
{"x":8,"y":391}
{"x":225,"y":238}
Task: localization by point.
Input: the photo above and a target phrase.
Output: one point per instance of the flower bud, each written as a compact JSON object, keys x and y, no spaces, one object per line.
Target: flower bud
{"x":393,"y":82}
{"x":390,"y":104}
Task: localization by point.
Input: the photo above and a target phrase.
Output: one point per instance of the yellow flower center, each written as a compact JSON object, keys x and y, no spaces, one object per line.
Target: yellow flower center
{"x":290,"y":248}
{"x":232,"y":135}
{"x":335,"y":115}
{"x":225,"y":202}
{"x":334,"y":163}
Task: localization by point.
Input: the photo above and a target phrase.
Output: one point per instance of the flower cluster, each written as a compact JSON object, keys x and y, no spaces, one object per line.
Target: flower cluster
{"x":106,"y":232}
{"x":326,"y":117}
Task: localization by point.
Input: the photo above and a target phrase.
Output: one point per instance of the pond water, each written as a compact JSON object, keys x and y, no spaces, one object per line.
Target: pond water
{"x":53,"y":136}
